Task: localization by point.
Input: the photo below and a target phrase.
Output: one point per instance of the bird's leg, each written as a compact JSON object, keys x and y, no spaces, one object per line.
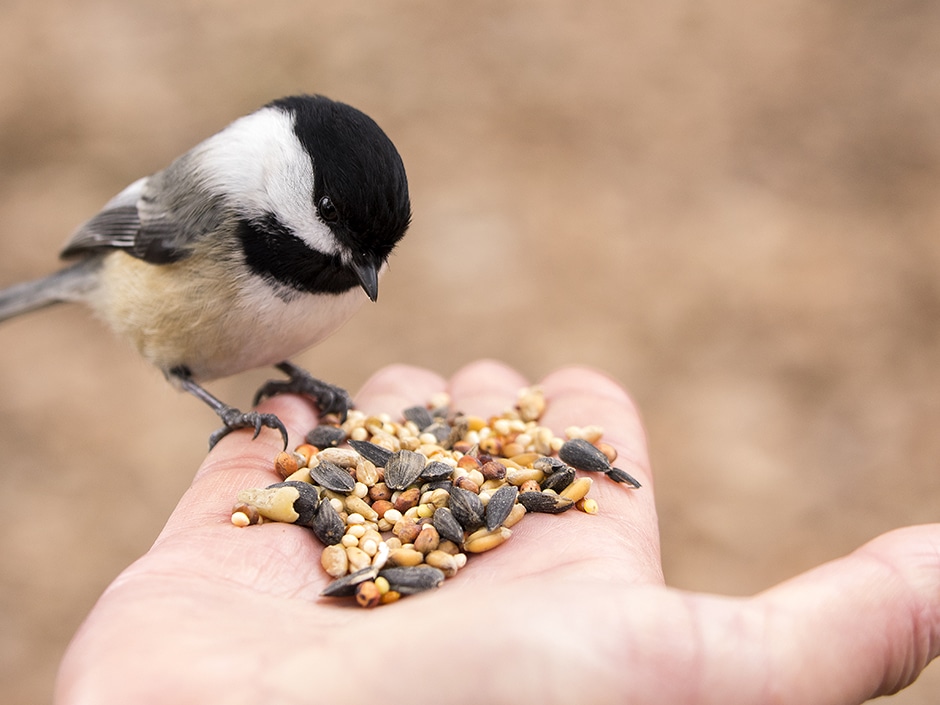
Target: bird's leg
{"x":329,"y":398}
{"x":232,"y":418}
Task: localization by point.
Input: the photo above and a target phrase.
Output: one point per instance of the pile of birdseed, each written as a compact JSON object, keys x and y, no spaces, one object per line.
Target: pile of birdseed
{"x":400,"y":504}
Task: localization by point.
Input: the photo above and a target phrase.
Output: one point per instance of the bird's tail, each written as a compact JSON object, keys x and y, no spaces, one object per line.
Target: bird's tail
{"x":69,"y":284}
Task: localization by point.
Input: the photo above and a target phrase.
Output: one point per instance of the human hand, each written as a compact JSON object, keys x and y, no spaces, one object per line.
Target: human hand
{"x":571,"y":609}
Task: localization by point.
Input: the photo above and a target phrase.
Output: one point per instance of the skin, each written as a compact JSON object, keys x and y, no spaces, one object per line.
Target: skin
{"x":571,"y":609}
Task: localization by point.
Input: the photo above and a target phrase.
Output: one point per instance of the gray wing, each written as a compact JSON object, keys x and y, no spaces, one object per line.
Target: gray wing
{"x":153,"y":219}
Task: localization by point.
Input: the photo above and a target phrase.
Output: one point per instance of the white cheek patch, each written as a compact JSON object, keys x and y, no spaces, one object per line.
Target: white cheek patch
{"x":261,"y":164}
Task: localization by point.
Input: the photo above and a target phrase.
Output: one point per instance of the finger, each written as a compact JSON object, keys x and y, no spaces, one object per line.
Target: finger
{"x":239,"y":462}
{"x":581,"y":396}
{"x":626,"y":525}
{"x":485,"y":387}
{"x":398,"y":387}
{"x":853,"y":629}
{"x":859,"y":627}
{"x":199,"y":537}
{"x":622,"y":543}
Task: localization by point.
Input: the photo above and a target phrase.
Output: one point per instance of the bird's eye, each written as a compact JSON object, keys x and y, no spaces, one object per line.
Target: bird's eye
{"x":327,"y":210}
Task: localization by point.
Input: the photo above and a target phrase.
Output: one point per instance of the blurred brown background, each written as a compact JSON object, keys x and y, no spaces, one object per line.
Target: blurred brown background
{"x":729,"y":206}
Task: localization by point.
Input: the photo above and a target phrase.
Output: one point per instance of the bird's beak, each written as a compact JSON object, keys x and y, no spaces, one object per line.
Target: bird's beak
{"x":368,"y":275}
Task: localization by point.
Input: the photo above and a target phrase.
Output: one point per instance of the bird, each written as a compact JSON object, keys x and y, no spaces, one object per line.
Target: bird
{"x":256,"y":244}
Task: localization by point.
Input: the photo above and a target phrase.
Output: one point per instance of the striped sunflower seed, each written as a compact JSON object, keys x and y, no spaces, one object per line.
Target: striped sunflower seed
{"x":581,"y":455}
{"x":467,"y":508}
{"x":419,"y":416}
{"x":443,"y":483}
{"x":375,"y":454}
{"x":499,"y":506}
{"x":327,"y":525}
{"x":447,"y":526}
{"x":618,"y":475}
{"x":440,"y":430}
{"x":403,"y":468}
{"x":332,"y":477}
{"x":436,"y":470}
{"x":458,"y":429}
{"x":548,"y":464}
{"x":559,"y":479}
{"x":346,"y":586}
{"x":326,"y":436}
{"x":412,"y":579}
{"x":545,"y":502}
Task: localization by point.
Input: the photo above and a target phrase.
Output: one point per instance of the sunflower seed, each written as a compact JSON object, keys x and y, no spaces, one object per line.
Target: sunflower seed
{"x":332,"y":477}
{"x":549,"y":465}
{"x":376,"y":454}
{"x":327,"y":524}
{"x":618,"y":475}
{"x":444,"y":484}
{"x":419,"y":415}
{"x":326,"y":436}
{"x":458,"y":429}
{"x":436,"y":470}
{"x":499,"y":506}
{"x":440,"y":409}
{"x":440,"y":430}
{"x":545,"y":502}
{"x":447,"y":526}
{"x":467,"y":508}
{"x":559,"y":479}
{"x":403,"y":468}
{"x":412,"y":579}
{"x":581,"y":455}
{"x":346,"y":586}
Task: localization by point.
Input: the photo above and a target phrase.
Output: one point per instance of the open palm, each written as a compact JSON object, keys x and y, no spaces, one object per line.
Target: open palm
{"x":572,"y":609}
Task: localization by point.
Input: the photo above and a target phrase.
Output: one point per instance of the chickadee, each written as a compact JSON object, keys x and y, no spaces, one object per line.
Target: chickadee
{"x":253,"y":246}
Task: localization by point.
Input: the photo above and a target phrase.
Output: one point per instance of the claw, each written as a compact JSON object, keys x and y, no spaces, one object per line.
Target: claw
{"x":235,"y":419}
{"x":232,"y":418}
{"x":329,"y":398}
{"x":269,"y":389}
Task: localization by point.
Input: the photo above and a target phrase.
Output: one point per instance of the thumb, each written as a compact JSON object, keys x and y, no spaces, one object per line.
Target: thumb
{"x":861,"y":626}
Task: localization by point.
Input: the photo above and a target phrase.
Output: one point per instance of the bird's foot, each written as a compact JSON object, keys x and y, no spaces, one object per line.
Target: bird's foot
{"x":329,"y":398}
{"x":235,"y":419}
